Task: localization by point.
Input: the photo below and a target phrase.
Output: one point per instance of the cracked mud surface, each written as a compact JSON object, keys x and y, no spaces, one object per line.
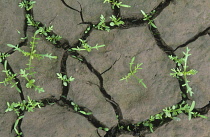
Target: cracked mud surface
{"x":96,"y":87}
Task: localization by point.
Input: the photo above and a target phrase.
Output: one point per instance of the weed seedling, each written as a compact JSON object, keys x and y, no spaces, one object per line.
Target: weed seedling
{"x":31,"y":22}
{"x":86,"y":47}
{"x":30,"y":82}
{"x":65,"y":79}
{"x":10,"y":77}
{"x":177,"y":72}
{"x":148,"y":124}
{"x":3,"y":56}
{"x":148,"y":18}
{"x":77,"y":109}
{"x":45,"y":30}
{"x":23,"y":106}
{"x":15,"y":126}
{"x":54,"y":38}
{"x":32,"y":54}
{"x":115,"y":21}
{"x":133,"y":71}
{"x":102,"y":25}
{"x":117,"y":4}
{"x":27,"y":4}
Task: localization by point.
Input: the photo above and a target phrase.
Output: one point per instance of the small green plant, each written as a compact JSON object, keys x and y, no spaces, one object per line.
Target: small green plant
{"x":102,"y":25}
{"x":45,"y":30}
{"x":133,"y":71}
{"x":27,"y":4}
{"x":30,"y":82}
{"x":54,"y":38}
{"x":148,"y":124}
{"x":15,"y":126}
{"x":77,"y":109}
{"x":117,"y":4}
{"x":183,"y":72}
{"x":3,"y":56}
{"x":65,"y":79}
{"x":148,"y":18}
{"x":116,"y":21}
{"x":175,"y":110}
{"x":10,"y":77}
{"x":32,"y":54}
{"x":86,"y":47}
{"x":31,"y":22}
{"x":23,"y":106}
{"x":80,"y":59}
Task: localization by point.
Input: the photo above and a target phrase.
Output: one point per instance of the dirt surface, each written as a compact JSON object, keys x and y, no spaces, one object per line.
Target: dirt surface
{"x":97,"y":87}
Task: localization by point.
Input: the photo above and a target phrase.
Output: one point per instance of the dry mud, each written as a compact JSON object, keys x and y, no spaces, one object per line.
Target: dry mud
{"x":96,"y":88}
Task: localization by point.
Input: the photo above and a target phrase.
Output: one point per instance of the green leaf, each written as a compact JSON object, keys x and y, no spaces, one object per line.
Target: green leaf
{"x":192,"y":106}
{"x":112,"y":24}
{"x":85,"y":113}
{"x":65,"y":83}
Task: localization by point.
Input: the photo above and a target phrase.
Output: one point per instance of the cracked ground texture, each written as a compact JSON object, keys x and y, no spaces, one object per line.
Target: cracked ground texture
{"x":96,"y":88}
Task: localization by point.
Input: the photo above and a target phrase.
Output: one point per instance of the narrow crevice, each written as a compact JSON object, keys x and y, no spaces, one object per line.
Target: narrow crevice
{"x":116,"y":11}
{"x":108,"y":97}
{"x":110,"y":66}
{"x":161,"y":6}
{"x":65,"y":89}
{"x":68,"y":103}
{"x":194,"y":38}
{"x":80,"y":12}
{"x":138,"y":129}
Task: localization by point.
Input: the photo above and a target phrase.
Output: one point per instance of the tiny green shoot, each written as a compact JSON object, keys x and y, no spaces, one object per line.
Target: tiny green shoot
{"x":116,"y":21}
{"x":148,"y":18}
{"x":102,"y":25}
{"x":65,"y":79}
{"x":27,"y":4}
{"x":133,"y":71}
{"x":117,"y":4}
{"x":177,"y":72}
{"x":86,"y":46}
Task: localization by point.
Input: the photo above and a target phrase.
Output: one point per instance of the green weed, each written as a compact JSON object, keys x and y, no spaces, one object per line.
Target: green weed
{"x":21,"y":107}
{"x":27,"y":4}
{"x":117,"y":4}
{"x":133,"y":71}
{"x":86,"y":47}
{"x":65,"y":79}
{"x":77,"y":109}
{"x":3,"y":56}
{"x":43,"y":30}
{"x":15,"y":126}
{"x":102,"y":25}
{"x":10,"y":77}
{"x":32,"y":54}
{"x":148,"y":18}
{"x":175,"y":110}
{"x":54,"y":38}
{"x":31,"y":22}
{"x":116,"y":21}
{"x":183,"y":72}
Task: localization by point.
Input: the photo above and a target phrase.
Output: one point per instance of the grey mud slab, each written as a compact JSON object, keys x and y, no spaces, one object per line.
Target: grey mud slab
{"x":97,"y":87}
